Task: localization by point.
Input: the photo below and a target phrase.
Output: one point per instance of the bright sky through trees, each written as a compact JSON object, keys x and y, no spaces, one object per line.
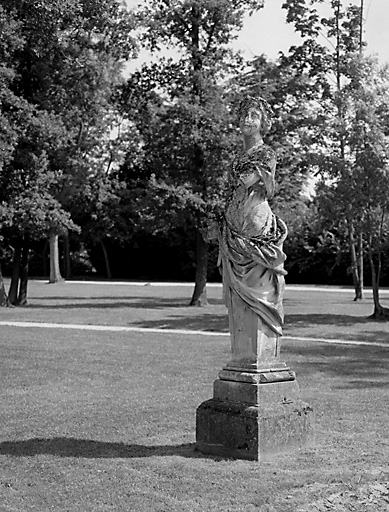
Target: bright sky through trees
{"x":266,"y":32}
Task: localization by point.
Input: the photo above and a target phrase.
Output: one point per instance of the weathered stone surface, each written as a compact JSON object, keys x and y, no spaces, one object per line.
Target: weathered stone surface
{"x":253,"y":432}
{"x":256,"y":394}
{"x":259,"y":366}
{"x":256,"y":377}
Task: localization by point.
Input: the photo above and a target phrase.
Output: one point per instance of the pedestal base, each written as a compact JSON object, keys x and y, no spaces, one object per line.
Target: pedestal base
{"x":254,"y":420}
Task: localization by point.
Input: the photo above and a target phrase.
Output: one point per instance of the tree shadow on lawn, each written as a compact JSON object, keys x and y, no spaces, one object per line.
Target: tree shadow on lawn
{"x":130,"y":302}
{"x":89,"y":449}
{"x":207,"y":322}
{"x":213,"y":322}
{"x":306,"y":319}
{"x":344,"y":366}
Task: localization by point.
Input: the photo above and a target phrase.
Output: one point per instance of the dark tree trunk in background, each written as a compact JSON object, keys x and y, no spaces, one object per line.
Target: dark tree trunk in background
{"x":55,"y":272}
{"x":13,"y":289}
{"x":22,"y":296}
{"x":18,"y":289}
{"x":355,"y":262}
{"x":106,"y":260}
{"x":359,"y":288}
{"x":68,"y":265}
{"x":380,"y":313}
{"x":3,"y":294}
{"x":199,"y":297}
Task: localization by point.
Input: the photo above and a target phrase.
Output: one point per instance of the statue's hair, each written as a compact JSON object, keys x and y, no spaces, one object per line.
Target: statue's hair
{"x":260,"y":104}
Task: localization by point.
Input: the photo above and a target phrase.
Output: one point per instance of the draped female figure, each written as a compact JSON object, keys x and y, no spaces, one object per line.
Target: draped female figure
{"x":250,"y":242}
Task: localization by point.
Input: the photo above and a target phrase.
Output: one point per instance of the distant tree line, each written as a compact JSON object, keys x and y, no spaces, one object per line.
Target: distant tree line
{"x":102,"y":175}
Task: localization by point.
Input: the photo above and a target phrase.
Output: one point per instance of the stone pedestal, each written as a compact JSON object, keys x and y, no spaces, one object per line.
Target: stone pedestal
{"x":254,"y":414}
{"x":256,"y":411}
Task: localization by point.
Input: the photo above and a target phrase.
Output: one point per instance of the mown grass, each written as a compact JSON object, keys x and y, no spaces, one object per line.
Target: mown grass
{"x":310,"y":312}
{"x":105,"y":421}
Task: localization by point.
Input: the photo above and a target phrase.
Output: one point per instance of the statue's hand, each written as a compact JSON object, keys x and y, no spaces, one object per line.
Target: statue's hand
{"x":250,"y":179}
{"x":250,"y":176}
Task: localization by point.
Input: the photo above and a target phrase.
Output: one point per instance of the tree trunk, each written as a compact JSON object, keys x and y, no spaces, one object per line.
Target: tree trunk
{"x":106,"y":260}
{"x":199,"y":297}
{"x":342,"y":146}
{"x":359,"y":262}
{"x":3,"y":294}
{"x":68,"y":265}
{"x":22,"y":296}
{"x":354,"y":261}
{"x":14,"y":286}
{"x":361,"y":28}
{"x":380,"y":312}
{"x":55,"y":273}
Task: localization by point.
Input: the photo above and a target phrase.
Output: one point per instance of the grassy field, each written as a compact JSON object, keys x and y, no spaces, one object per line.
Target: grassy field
{"x":105,"y":421}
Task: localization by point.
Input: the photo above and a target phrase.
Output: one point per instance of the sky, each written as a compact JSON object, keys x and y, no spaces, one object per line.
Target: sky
{"x":266,"y":32}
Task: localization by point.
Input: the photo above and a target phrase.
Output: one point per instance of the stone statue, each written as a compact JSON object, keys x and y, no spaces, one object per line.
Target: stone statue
{"x":256,"y":411}
{"x":250,"y":241}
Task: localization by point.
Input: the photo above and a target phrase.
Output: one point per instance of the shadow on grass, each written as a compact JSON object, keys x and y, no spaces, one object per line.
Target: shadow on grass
{"x":125,"y":302}
{"x":345,"y":367}
{"x":86,"y":448}
{"x":208,"y":322}
{"x":305,"y":320}
{"x":218,"y":322}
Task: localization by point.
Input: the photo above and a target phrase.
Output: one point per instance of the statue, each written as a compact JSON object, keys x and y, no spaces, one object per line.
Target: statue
{"x":250,"y":241}
{"x":256,"y":411}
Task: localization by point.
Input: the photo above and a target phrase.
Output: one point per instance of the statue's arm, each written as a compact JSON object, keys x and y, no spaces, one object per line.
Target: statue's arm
{"x":262,"y":173}
{"x":251,"y":178}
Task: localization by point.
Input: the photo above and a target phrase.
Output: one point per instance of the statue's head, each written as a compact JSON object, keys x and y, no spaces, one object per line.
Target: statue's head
{"x":260,"y":105}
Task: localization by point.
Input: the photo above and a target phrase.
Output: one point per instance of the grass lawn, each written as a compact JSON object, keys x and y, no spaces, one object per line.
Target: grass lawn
{"x":105,"y":421}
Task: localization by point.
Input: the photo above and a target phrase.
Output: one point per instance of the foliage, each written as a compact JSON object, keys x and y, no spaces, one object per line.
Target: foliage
{"x":185,"y":126}
{"x":350,"y":102}
{"x":62,"y":62}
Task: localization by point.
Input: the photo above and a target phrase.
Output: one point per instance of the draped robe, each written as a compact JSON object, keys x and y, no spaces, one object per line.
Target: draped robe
{"x":251,"y":238}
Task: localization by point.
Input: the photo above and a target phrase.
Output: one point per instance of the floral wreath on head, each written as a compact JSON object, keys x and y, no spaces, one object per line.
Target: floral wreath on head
{"x":255,"y":102}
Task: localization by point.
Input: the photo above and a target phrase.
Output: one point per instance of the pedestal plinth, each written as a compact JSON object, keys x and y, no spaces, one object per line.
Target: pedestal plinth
{"x":254,"y":415}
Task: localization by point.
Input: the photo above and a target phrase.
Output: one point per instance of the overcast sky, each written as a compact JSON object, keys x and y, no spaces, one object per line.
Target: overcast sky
{"x":267,"y":31}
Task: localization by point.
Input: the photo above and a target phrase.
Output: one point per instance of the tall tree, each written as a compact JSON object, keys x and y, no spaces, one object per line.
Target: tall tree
{"x":190,"y":109}
{"x":329,"y":66}
{"x":11,"y":111}
{"x":369,"y":144}
{"x":66,"y":65}
{"x":351,"y":145}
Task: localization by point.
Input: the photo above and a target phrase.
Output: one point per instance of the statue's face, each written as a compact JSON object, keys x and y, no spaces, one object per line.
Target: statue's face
{"x":250,"y":122}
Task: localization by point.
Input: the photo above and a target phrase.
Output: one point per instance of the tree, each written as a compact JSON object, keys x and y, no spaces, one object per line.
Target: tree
{"x":369,"y":142}
{"x":76,"y":73}
{"x":329,"y":67}
{"x":352,"y":141}
{"x":189,"y":153}
{"x":31,"y":212}
{"x":66,"y":63}
{"x":11,"y":109}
